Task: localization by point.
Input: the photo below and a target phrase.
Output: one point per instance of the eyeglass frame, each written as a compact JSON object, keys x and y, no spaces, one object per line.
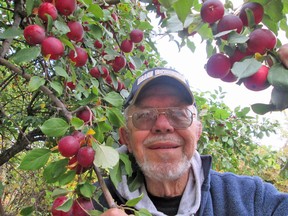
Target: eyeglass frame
{"x":193,"y":115}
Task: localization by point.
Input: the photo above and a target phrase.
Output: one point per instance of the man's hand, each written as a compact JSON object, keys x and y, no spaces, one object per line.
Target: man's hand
{"x":114,"y":212}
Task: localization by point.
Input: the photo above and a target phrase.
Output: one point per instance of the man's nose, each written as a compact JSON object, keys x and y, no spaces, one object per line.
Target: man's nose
{"x":162,"y":125}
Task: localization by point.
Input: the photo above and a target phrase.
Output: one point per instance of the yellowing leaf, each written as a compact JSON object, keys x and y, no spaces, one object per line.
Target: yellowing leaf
{"x":90,"y":132}
{"x":258,"y":56}
{"x":47,"y":57}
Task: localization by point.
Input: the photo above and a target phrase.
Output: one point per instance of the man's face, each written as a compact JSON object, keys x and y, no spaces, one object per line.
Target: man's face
{"x":162,"y":151}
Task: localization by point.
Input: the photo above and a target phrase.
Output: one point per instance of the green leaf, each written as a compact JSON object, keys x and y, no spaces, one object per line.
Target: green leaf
{"x":279,"y":99}
{"x":174,"y":24}
{"x":29,"y":7}
{"x":10,"y":33}
{"x":105,"y":157}
{"x":62,"y":27}
{"x":191,"y":45}
{"x":124,"y":158}
{"x":246,"y":68}
{"x":205,"y":32}
{"x":278,"y":76}
{"x":97,"y":31}
{"x":143,"y":212}
{"x":66,"y":206}
{"x":59,"y":192}
{"x":101,"y":128}
{"x":115,"y":174}
{"x":35,"y":83}
{"x":95,"y":213}
{"x":67,"y":177}
{"x":123,"y":167}
{"x":134,"y":201}
{"x":49,"y":23}
{"x":87,"y":189}
{"x":234,"y":37}
{"x":96,"y":10}
{"x":114,"y":99}
{"x":275,"y":8}
{"x":61,"y":72}
{"x":243,"y":112}
{"x":57,"y":87}
{"x":88,"y":2}
{"x":27,"y":210}
{"x":262,"y":109}
{"x":67,"y":42}
{"x":222,"y":114}
{"x":115,"y":117}
{"x":55,"y":170}
{"x":90,"y":98}
{"x":26,"y":55}
{"x":77,"y":123}
{"x":1,"y":188}
{"x":167,"y":3}
{"x":136,"y":61}
{"x":35,"y":159}
{"x":135,"y":182}
{"x":144,"y":25}
{"x":54,"y":127}
{"x":219,"y":130}
{"x":183,"y":8}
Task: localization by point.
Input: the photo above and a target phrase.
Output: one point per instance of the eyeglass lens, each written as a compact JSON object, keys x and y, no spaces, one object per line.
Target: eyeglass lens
{"x":179,"y":118}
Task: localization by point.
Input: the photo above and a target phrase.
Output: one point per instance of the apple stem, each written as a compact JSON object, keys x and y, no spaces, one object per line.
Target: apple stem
{"x":104,"y":188}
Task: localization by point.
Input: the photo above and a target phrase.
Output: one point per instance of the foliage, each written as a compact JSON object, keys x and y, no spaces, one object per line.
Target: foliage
{"x":187,"y":24}
{"x":38,"y":107}
{"x":232,"y":138}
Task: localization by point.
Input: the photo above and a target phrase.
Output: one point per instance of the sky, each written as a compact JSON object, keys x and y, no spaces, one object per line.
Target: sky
{"x":192,"y":65}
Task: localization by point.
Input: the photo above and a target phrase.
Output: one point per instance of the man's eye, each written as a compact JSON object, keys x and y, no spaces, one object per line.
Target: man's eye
{"x":179,"y":114}
{"x":143,"y":115}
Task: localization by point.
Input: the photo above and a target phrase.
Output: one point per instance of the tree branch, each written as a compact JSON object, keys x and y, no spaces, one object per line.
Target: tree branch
{"x":104,"y":188}
{"x":2,"y":212}
{"x":44,"y":89}
{"x":109,"y":2}
{"x":21,"y":144}
{"x":18,"y":10}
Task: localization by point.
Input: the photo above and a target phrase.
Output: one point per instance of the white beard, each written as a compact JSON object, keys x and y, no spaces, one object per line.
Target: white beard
{"x":165,"y":170}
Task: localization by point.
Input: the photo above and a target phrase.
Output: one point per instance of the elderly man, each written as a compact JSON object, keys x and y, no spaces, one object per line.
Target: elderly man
{"x":161,"y":132}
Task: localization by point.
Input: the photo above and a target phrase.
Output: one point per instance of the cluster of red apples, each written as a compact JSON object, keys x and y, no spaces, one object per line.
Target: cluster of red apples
{"x":52,"y":47}
{"x":81,"y":155}
{"x":78,"y":148}
{"x":260,"y":42}
{"x":119,"y":62}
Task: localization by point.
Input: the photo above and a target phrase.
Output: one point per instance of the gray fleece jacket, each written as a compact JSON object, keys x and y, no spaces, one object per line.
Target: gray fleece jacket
{"x":226,"y":194}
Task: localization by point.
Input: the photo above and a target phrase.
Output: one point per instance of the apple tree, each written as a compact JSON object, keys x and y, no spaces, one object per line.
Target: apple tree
{"x":66,"y":68}
{"x":245,"y":44}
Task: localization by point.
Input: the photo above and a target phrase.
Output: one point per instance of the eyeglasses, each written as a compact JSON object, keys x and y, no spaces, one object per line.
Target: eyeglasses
{"x":178,"y":118}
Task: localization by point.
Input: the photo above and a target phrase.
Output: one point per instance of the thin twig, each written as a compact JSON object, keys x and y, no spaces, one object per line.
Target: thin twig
{"x":44,"y":89}
{"x":104,"y":188}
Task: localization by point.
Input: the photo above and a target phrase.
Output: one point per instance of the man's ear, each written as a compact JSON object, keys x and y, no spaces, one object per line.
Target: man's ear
{"x":124,"y":136}
{"x":198,"y":129}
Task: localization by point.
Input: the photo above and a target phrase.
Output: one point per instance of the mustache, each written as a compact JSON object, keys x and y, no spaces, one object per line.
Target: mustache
{"x":163,"y":138}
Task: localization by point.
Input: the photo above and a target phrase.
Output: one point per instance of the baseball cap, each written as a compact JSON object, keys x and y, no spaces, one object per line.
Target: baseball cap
{"x":168,"y":76}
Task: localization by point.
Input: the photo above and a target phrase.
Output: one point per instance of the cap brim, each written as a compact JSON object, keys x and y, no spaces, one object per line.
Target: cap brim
{"x":170,"y":80}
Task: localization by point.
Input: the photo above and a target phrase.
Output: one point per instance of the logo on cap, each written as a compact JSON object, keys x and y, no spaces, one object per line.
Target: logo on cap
{"x":159,"y":72}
